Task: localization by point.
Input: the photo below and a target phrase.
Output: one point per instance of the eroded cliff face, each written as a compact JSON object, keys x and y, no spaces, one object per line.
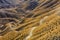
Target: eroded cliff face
{"x":29,"y":19}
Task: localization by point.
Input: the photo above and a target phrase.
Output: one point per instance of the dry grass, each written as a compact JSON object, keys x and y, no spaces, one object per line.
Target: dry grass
{"x":44,"y":24}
